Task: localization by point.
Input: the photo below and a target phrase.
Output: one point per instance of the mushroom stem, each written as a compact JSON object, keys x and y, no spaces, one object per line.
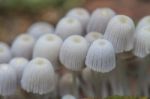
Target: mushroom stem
{"x":131,"y":70}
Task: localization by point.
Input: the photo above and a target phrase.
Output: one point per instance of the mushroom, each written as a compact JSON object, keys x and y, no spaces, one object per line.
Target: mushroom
{"x":23,"y":46}
{"x":5,"y":54}
{"x":8,"y":80}
{"x":48,"y":46}
{"x":38,"y":77}
{"x":68,"y":26}
{"x":99,"y":20}
{"x":38,"y":29}
{"x":81,"y":14}
{"x":92,"y":36}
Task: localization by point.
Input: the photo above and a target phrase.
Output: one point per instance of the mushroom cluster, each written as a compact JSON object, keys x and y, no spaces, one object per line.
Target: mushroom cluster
{"x":81,"y":57}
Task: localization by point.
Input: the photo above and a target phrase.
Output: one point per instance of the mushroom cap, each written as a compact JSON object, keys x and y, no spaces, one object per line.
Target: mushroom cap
{"x":101,"y":56}
{"x":40,"y":28}
{"x":145,"y":21}
{"x":18,"y":64}
{"x":74,"y":49}
{"x":23,"y":46}
{"x":81,"y":14}
{"x":68,"y":97}
{"x":38,"y":77}
{"x":5,"y":54}
{"x":120,"y":32}
{"x":92,"y":36}
{"x":68,"y":26}
{"x":99,"y":20}
{"x":48,"y":46}
{"x":8,"y":80}
{"x":142,"y":42}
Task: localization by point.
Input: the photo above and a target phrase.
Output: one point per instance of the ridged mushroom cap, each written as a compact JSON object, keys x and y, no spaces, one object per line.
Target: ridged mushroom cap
{"x":81,"y":14}
{"x":74,"y":49}
{"x":142,"y":42}
{"x":8,"y":80}
{"x":68,"y":26}
{"x":92,"y":36}
{"x":38,"y":77}
{"x":48,"y":46}
{"x":5,"y":54}
{"x":18,"y":64}
{"x":23,"y":46}
{"x":145,"y":21}
{"x":101,"y":56}
{"x":120,"y":32}
{"x":38,"y":29}
{"x":99,"y":19}
{"x":68,"y":97}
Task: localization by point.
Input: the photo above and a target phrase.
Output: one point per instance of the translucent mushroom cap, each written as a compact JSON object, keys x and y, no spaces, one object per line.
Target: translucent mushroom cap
{"x":68,"y":26}
{"x":40,"y":28}
{"x":145,"y":21}
{"x":8,"y":80}
{"x":68,"y":97}
{"x":48,"y":46}
{"x":101,"y":56}
{"x":142,"y":42}
{"x":23,"y":46}
{"x":5,"y":54}
{"x":81,"y":14}
{"x":99,"y":19}
{"x":74,"y":49}
{"x":120,"y":32}
{"x":18,"y":64}
{"x":38,"y":77}
{"x":92,"y":36}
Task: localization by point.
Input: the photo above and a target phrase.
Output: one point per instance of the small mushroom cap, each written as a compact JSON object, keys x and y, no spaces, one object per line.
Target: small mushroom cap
{"x":81,"y":14}
{"x":92,"y":36}
{"x":68,"y":97}
{"x":101,"y":56}
{"x":145,"y":21}
{"x":23,"y":46}
{"x":74,"y":49}
{"x":68,"y":26}
{"x":99,"y":20}
{"x":142,"y":42}
{"x":38,"y":77}
{"x":120,"y":32}
{"x":18,"y":64}
{"x":38,"y":29}
{"x":5,"y":54}
{"x":48,"y":46}
{"x":8,"y":80}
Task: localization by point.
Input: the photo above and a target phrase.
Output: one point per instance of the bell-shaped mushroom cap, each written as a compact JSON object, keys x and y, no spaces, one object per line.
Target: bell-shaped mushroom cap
{"x":92,"y":36}
{"x":99,"y":20}
{"x":145,"y":21}
{"x":5,"y":54}
{"x":8,"y":80}
{"x":38,"y":77}
{"x":81,"y":14}
{"x":18,"y":64}
{"x":120,"y":32}
{"x":40,"y":28}
{"x":68,"y":97}
{"x":48,"y":46}
{"x":68,"y":26}
{"x":73,"y":52}
{"x":101,"y":56}
{"x":23,"y":46}
{"x":142,"y":42}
